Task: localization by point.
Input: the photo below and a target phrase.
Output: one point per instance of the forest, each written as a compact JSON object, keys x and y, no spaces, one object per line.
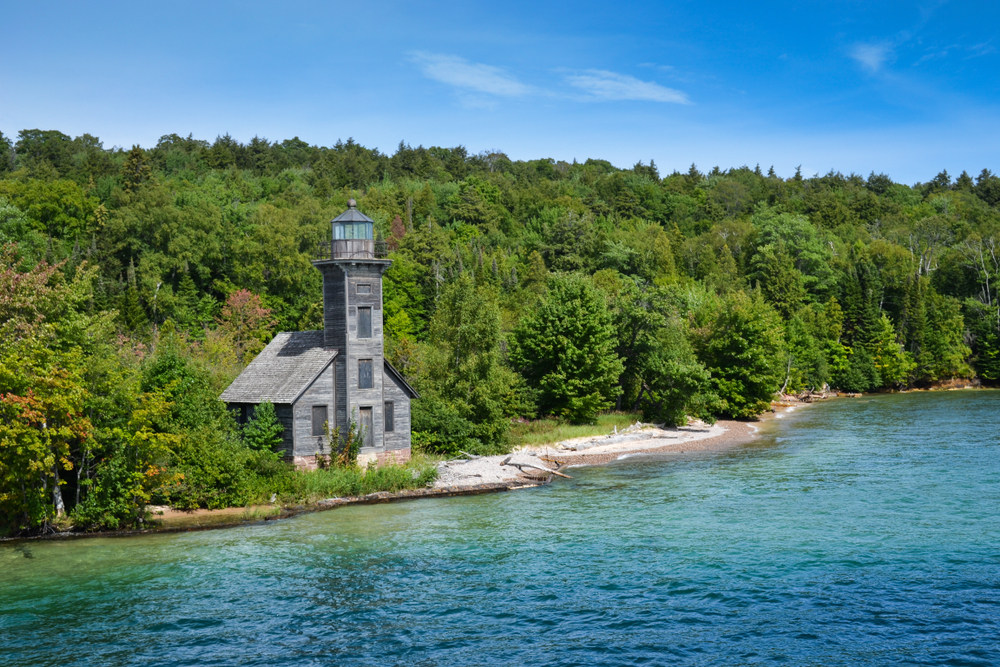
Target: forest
{"x":136,"y":284}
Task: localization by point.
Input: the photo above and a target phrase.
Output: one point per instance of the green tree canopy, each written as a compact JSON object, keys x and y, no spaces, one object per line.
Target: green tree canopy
{"x":739,"y":339}
{"x":565,"y":350}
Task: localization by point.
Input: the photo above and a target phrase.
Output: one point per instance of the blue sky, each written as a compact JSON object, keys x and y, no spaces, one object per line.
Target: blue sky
{"x":901,"y":88}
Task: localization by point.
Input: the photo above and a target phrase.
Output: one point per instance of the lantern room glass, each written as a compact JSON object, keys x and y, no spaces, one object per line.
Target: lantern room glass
{"x":345,"y":231}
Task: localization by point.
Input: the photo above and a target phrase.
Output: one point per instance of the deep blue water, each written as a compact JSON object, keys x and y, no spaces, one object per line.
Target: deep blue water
{"x":856,"y":532}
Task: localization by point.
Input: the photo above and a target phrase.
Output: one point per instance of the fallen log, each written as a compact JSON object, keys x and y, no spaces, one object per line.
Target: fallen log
{"x":548,"y":470}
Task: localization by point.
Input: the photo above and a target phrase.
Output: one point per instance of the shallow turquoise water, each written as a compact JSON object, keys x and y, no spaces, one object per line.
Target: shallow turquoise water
{"x":857,"y":532}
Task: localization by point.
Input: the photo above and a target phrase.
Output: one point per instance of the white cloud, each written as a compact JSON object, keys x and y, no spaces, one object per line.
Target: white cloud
{"x":872,"y":56}
{"x":613,"y":86}
{"x":980,"y":49}
{"x":467,"y":76}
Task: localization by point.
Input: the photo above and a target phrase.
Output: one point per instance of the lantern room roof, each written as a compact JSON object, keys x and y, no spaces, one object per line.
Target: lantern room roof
{"x":352,"y":214}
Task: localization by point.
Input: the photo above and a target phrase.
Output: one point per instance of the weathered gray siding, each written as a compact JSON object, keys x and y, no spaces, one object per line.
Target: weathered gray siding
{"x":335,"y":334}
{"x":400,"y":437}
{"x":341,"y":300}
{"x":366,"y":348}
{"x":334,"y":304}
{"x":320,"y":392}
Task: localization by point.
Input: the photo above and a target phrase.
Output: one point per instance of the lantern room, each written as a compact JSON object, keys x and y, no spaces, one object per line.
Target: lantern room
{"x":353,"y":235}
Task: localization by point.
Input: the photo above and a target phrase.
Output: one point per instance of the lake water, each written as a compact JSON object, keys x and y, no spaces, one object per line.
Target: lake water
{"x":856,"y":532}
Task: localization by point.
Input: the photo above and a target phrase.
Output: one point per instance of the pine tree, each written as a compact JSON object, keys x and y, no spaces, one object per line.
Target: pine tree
{"x":914,"y":323}
{"x":136,"y":170}
{"x":964,"y":182}
{"x":566,"y":350}
{"x":132,"y":313}
{"x":467,"y":382}
{"x":946,"y":351}
{"x":893,"y":364}
{"x":781,"y":283}
{"x":187,"y":302}
{"x":861,"y":303}
{"x":263,"y":432}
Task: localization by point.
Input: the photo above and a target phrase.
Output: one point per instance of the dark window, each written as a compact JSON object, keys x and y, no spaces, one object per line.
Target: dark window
{"x":364,"y":322}
{"x":364,"y":289}
{"x":365,"y":380}
{"x":365,"y":426}
{"x":390,"y":417}
{"x":319,"y":420}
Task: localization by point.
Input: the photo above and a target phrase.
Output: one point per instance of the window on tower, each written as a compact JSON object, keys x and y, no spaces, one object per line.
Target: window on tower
{"x":365,"y":377}
{"x":364,"y":322}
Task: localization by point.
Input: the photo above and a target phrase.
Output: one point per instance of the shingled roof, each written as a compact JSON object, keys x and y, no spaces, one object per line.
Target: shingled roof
{"x":283,"y":370}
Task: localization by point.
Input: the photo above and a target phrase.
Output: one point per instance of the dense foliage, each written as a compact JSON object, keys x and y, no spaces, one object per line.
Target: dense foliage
{"x":135,"y":284}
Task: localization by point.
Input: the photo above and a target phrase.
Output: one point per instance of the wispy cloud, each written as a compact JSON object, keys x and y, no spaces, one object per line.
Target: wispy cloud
{"x":977,"y":50}
{"x":469,"y":76}
{"x":931,"y":56}
{"x":872,"y":56}
{"x":665,"y":68}
{"x":605,"y":85}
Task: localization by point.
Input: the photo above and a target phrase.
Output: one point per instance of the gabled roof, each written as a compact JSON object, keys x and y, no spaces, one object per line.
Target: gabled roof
{"x":283,"y":370}
{"x":400,"y":380}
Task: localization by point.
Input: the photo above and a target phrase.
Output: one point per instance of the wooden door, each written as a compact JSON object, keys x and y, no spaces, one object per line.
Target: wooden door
{"x":365,"y":424}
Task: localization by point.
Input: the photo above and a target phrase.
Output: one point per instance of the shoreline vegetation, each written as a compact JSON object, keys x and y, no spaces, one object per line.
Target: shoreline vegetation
{"x":527,"y":301}
{"x":558,"y":457}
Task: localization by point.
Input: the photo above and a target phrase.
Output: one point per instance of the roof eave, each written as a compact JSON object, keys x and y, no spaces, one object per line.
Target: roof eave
{"x":399,"y":376}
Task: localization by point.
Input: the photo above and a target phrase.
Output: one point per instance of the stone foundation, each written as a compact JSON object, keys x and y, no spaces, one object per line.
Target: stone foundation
{"x":304,"y":462}
{"x":396,"y":456}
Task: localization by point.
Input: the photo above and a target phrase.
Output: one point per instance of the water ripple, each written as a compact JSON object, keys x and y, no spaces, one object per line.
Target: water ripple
{"x":866,"y":534}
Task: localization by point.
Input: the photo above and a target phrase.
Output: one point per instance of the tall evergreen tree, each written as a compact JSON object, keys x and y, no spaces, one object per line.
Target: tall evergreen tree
{"x":565,"y":350}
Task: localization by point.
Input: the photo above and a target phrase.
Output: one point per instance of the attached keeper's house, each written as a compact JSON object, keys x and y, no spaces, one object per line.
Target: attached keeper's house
{"x":338,"y":374}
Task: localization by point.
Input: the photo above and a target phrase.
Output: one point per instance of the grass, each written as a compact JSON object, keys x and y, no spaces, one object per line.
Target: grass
{"x":313,"y":485}
{"x":256,"y":513}
{"x":549,"y":431}
{"x":421,"y":459}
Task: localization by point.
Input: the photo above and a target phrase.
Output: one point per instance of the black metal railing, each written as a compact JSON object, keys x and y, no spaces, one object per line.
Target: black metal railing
{"x":350,"y":249}
{"x":321,"y":251}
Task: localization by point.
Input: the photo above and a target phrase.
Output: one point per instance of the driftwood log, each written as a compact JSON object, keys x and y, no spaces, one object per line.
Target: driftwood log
{"x":521,"y":465}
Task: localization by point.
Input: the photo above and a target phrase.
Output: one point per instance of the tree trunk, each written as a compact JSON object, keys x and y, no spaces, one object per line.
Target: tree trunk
{"x":788,"y":376}
{"x":57,"y":499}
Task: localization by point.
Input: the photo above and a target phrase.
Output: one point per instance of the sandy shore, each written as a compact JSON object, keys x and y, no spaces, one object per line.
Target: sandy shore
{"x":532,"y":464}
{"x":724,"y":435}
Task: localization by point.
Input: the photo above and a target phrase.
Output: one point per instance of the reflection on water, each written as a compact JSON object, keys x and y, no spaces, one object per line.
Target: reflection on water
{"x":852,"y":533}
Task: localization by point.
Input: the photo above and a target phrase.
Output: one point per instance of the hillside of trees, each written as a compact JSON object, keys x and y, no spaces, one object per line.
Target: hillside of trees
{"x":136,"y":284}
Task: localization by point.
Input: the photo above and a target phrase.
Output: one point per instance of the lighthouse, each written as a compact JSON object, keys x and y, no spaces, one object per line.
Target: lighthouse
{"x":329,"y":379}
